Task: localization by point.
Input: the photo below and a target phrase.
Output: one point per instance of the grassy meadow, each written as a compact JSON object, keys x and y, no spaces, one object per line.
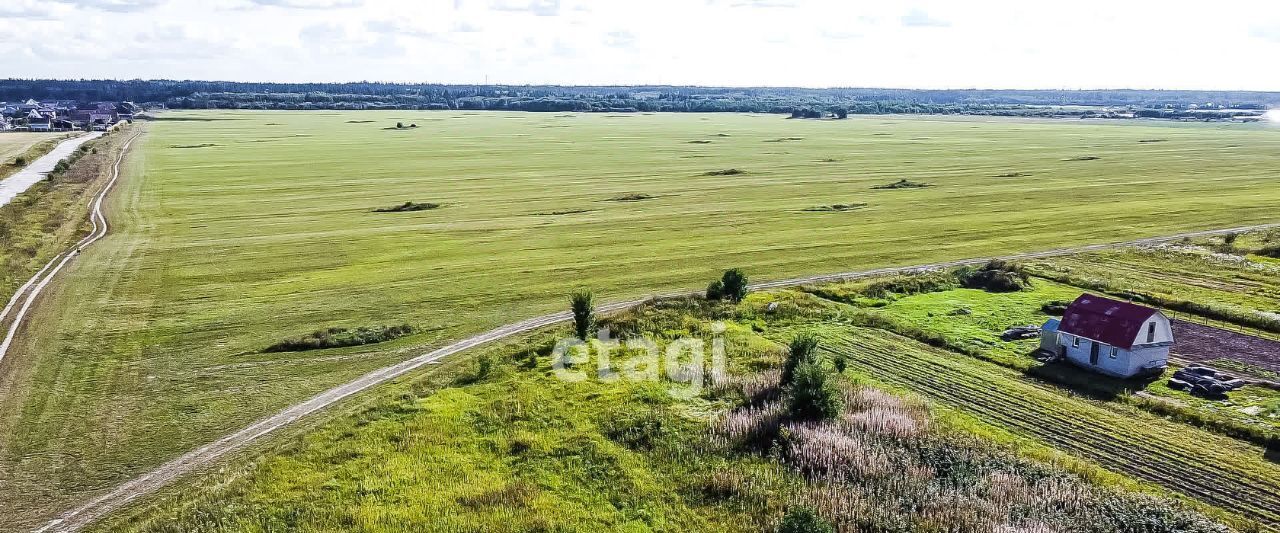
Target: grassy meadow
{"x":235,"y":230}
{"x":507,"y":446}
{"x":25,"y":145}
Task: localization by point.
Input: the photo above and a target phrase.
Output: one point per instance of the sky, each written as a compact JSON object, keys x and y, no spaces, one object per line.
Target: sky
{"x":1081,"y":44}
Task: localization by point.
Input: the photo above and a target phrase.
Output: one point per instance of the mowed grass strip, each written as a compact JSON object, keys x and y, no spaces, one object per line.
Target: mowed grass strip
{"x":23,"y":144}
{"x":263,"y":233}
{"x":1217,"y":470}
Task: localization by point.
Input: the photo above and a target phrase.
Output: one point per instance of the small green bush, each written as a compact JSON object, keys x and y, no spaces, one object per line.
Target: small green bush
{"x":20,"y":161}
{"x":995,"y":276}
{"x":715,"y":291}
{"x":1055,"y":307}
{"x":804,"y":520}
{"x":814,"y":394}
{"x":802,"y":348}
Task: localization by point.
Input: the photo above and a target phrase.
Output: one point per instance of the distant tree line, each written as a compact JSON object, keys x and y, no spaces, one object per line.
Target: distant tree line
{"x":186,"y":94}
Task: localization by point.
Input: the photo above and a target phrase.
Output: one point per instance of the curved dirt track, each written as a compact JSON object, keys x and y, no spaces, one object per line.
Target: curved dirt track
{"x":34,"y":286}
{"x":82,"y":516}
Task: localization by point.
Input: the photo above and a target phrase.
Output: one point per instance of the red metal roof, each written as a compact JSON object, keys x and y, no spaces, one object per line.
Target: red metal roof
{"x":1105,"y":320}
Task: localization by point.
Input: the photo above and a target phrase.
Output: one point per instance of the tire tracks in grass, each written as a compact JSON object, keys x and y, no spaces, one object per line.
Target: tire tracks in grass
{"x":121,"y":495}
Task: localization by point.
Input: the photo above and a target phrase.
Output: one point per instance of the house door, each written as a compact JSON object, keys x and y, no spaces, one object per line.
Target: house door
{"x":1093,"y":353}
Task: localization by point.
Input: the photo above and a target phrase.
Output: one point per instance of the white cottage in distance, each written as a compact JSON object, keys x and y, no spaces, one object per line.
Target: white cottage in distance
{"x":1110,"y":337}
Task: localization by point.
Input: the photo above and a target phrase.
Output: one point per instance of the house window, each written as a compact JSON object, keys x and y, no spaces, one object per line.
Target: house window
{"x":1114,"y":352}
{"x":1151,"y":332}
{"x":1075,"y":342}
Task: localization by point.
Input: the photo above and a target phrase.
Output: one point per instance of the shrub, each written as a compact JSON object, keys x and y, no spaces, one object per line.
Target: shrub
{"x":715,"y":290}
{"x":902,"y":184}
{"x":340,"y":337}
{"x":1055,"y":307}
{"x":995,"y":276}
{"x":407,"y":206}
{"x":801,"y":348}
{"x":20,"y":161}
{"x":814,"y":394}
{"x":633,"y":197}
{"x":582,"y":305}
{"x":910,"y":284}
{"x":735,"y":284}
{"x":1270,"y":251}
{"x":803,"y":520}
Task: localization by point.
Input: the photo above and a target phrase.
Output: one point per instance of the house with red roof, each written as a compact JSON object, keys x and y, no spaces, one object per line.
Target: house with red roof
{"x":1111,"y":337}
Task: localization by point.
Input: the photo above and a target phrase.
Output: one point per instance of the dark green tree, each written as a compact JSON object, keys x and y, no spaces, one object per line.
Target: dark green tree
{"x":803,"y":347}
{"x":814,"y":393}
{"x":583,"y":306}
{"x":734,"y":284}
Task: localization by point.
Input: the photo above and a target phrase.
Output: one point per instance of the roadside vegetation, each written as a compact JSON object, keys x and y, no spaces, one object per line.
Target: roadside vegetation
{"x":216,"y":253}
{"x":52,"y":214}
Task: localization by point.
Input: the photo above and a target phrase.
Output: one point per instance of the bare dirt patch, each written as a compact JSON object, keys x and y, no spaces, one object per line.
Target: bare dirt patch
{"x":1198,"y":342}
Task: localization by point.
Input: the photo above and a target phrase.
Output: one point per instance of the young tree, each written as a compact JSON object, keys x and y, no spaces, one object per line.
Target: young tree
{"x":814,"y":394}
{"x":803,"y":520}
{"x":583,"y":306}
{"x":801,"y":349}
{"x":734,"y":284}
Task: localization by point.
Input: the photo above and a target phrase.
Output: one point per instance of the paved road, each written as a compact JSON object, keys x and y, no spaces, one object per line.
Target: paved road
{"x":116,"y":498}
{"x":34,"y":286}
{"x":32,"y":174}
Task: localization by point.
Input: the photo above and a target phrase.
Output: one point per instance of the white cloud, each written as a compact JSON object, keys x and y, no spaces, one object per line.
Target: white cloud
{"x":309,"y":4}
{"x":26,"y":9}
{"x":119,"y":6}
{"x":899,"y":43}
{"x":919,"y":18}
{"x":541,"y":8}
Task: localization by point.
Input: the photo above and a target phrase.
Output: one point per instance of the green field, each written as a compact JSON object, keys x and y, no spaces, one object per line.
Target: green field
{"x":235,"y":230}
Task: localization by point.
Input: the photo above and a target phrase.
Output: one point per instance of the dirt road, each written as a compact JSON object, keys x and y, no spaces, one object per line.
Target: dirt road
{"x":34,"y":286}
{"x":81,"y":516}
{"x":30,"y":175}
